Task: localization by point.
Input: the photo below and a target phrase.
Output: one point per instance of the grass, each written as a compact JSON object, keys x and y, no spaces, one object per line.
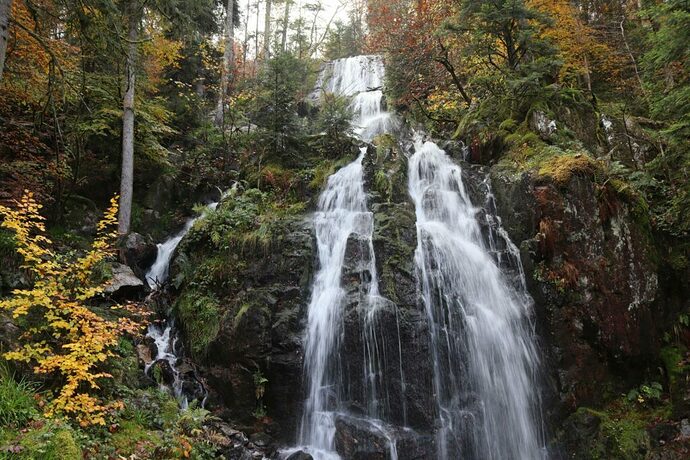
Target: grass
{"x":17,"y":402}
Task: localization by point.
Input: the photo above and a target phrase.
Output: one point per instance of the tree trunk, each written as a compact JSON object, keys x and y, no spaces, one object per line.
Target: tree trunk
{"x":228,"y":61}
{"x":286,"y":24}
{"x":5,"y":12}
{"x":267,"y":31}
{"x":127,"y":179}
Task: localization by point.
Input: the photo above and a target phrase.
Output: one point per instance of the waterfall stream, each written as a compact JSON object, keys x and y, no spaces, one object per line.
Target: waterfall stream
{"x":343,"y":218}
{"x":164,"y":335}
{"x":484,"y":355}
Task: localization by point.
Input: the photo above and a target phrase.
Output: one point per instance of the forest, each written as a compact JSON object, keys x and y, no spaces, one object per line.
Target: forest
{"x":344,"y":229}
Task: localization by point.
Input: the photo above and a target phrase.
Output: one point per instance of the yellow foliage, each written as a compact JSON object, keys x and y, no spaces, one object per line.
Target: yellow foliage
{"x":61,"y":336}
{"x":581,"y":50}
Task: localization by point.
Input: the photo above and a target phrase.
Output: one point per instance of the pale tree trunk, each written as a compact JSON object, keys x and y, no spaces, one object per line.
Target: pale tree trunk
{"x":286,"y":24}
{"x":267,"y":31}
{"x":127,"y":178}
{"x":5,"y":12}
{"x":228,"y":61}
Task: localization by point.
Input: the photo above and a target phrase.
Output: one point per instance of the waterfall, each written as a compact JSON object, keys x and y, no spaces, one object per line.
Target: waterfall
{"x":165,"y":335}
{"x":360,"y":78}
{"x":484,"y":355}
{"x":158,"y":273}
{"x":472,"y":288}
{"x":343,"y":218}
{"x":342,"y":213}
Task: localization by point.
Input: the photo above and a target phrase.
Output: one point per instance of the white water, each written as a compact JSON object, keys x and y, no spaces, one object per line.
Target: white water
{"x":342,"y":214}
{"x":484,"y":356}
{"x":158,"y":273}
{"x":361,"y":79}
{"x":164,"y":335}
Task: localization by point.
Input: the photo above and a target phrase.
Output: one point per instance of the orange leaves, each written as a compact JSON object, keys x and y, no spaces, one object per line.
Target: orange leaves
{"x":33,"y":55}
{"x":62,"y":335}
{"x":580,"y":49}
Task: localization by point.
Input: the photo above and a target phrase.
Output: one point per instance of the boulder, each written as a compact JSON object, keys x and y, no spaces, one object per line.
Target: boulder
{"x":162,"y":372}
{"x":139,"y":251}
{"x":363,"y":439}
{"x":124,"y":283}
{"x":300,"y":455}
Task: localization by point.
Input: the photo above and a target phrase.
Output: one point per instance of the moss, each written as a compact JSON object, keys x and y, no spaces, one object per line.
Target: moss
{"x":200,"y":314}
{"x":621,"y":434}
{"x":672,"y":357}
{"x":47,"y":440}
{"x":563,"y":167}
{"x":324,"y":170}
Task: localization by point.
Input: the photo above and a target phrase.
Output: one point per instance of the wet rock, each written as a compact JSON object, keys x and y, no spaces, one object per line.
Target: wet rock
{"x":261,"y":439}
{"x":361,"y":439}
{"x":300,"y":455}
{"x":144,"y":354}
{"x":124,"y":283}
{"x":590,"y":267}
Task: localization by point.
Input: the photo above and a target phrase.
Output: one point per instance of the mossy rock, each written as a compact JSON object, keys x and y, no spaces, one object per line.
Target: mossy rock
{"x":200,"y":315}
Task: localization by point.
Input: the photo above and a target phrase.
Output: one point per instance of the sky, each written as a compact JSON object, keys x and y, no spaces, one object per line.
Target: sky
{"x":336,"y":9}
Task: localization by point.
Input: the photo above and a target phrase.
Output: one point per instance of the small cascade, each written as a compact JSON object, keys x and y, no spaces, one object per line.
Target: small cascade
{"x":164,"y":335}
{"x":158,"y":273}
{"x":484,"y":356}
{"x":361,"y":79}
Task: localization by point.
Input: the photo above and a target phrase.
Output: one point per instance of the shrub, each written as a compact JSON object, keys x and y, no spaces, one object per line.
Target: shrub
{"x":61,"y":336}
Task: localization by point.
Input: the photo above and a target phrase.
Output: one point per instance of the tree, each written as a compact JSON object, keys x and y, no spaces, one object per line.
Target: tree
{"x":228,"y":70}
{"x":579,"y":48}
{"x":5,"y":11}
{"x":267,"y":31}
{"x":127,"y":178}
{"x":286,"y":24}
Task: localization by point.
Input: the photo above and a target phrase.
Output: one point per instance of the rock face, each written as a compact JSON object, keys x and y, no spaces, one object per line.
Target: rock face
{"x":253,"y":365}
{"x":591,"y":268}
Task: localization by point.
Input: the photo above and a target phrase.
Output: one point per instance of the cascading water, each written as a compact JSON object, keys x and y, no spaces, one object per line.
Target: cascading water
{"x":361,"y":79}
{"x":484,"y":356}
{"x":158,"y":273}
{"x":342,"y":216}
{"x":342,"y":213}
{"x":164,"y":335}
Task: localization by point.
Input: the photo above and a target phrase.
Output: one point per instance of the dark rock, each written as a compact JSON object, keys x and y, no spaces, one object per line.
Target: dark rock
{"x":162,"y":372}
{"x":300,"y":455}
{"x":124,"y":283}
{"x":361,"y":439}
{"x":540,"y":123}
{"x":139,"y":252}
{"x":261,"y":318}
{"x":662,"y":433}
{"x":598,"y":317}
{"x":261,"y":439}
